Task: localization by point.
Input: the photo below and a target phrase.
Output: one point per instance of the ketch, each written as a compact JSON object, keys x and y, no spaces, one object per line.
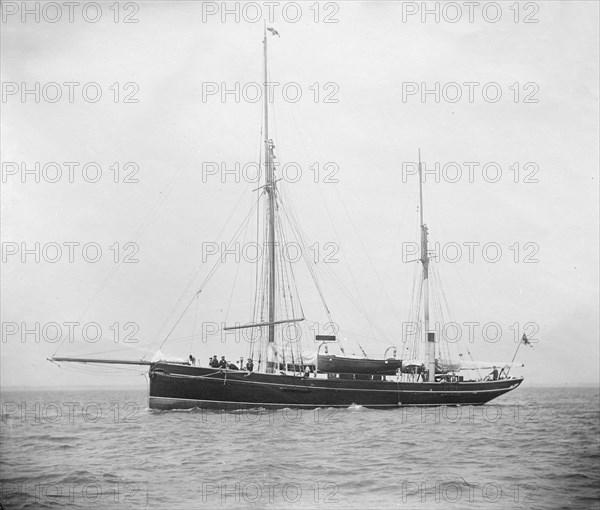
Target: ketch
{"x":283,"y":374}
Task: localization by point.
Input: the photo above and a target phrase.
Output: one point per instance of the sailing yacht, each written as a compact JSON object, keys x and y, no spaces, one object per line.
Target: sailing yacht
{"x":307,"y":379}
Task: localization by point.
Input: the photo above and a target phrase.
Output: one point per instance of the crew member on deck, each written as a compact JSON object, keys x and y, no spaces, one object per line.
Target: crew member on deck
{"x":423,"y":373}
{"x":495,"y":374}
{"x":249,"y":365}
{"x":192,"y":361}
{"x":223,"y":362}
{"x":214,"y":362}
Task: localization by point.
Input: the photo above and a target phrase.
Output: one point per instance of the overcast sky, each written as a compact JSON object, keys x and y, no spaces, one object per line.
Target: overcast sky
{"x":369,"y":118}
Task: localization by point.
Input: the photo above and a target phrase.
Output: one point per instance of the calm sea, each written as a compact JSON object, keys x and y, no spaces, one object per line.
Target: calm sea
{"x":533,"y":448}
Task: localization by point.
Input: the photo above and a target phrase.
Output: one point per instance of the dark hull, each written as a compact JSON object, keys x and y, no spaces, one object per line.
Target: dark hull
{"x":184,"y":387}
{"x":341,"y":365}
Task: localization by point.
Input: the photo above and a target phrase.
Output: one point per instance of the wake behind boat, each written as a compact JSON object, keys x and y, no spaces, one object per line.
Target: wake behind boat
{"x":287,"y":375}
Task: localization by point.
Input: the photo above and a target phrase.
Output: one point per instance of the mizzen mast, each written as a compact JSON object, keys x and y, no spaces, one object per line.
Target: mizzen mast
{"x":430,"y":335}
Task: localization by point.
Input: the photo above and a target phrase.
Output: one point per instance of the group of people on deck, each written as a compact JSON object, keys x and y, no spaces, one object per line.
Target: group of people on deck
{"x":214,"y":362}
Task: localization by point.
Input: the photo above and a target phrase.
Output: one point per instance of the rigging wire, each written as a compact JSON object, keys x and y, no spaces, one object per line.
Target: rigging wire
{"x":360,"y":306}
{"x":237,"y":269}
{"x":255,"y":267}
{"x":194,"y":324}
{"x":304,"y":249}
{"x":394,"y":309}
{"x":206,"y":280}
{"x":160,"y":200}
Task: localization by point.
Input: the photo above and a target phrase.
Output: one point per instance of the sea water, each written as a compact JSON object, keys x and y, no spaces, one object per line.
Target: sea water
{"x":532,"y":448}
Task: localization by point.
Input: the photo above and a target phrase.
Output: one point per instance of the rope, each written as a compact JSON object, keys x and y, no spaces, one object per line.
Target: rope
{"x":204,"y":283}
{"x":161,"y":198}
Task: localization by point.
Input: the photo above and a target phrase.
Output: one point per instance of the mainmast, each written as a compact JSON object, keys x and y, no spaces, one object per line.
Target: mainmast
{"x":430,"y":336}
{"x":270,"y":188}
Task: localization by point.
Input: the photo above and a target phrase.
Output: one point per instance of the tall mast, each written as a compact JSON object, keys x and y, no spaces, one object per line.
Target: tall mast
{"x":270,"y":187}
{"x":430,"y":336}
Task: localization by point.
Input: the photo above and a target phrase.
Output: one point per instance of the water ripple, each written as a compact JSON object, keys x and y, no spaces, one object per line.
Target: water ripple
{"x":537,"y":448}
